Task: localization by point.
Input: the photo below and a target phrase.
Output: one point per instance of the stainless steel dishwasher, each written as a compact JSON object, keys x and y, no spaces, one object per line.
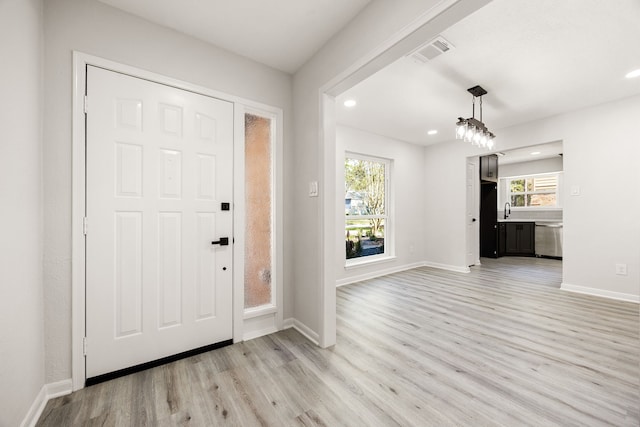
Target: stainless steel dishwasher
{"x":549,"y":239}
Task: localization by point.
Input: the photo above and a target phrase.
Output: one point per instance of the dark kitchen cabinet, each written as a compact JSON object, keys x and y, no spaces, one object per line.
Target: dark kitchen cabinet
{"x":517,"y":238}
{"x":489,"y":168}
{"x":502,"y":238}
{"x":488,"y":220}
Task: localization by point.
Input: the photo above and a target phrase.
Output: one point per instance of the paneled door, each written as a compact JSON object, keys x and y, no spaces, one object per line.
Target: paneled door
{"x":472,"y":222}
{"x":159,"y":166}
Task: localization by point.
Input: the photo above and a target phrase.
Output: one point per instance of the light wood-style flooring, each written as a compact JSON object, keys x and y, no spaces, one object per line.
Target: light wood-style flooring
{"x":501,"y":346}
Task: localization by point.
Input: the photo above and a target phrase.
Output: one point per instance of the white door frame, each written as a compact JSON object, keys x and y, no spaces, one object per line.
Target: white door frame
{"x":473,"y":236}
{"x":78,"y":256}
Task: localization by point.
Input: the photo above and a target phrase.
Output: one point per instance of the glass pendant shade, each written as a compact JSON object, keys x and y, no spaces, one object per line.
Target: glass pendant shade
{"x":483,"y":139}
{"x":473,"y":129}
{"x":477,"y":136}
{"x":461,"y":129}
{"x":468,"y":136}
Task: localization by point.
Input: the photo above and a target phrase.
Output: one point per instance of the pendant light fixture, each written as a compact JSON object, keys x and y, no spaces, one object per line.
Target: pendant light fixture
{"x":473,"y":130}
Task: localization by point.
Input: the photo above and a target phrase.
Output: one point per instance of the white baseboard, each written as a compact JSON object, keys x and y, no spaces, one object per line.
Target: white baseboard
{"x":287,"y":323}
{"x":47,"y":392}
{"x":600,"y":293}
{"x":376,"y":273}
{"x":447,"y":267}
{"x":302,"y":328}
{"x":259,"y":333}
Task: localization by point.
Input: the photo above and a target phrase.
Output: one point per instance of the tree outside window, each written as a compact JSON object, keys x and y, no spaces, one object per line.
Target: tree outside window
{"x":365,"y":206}
{"x":533,"y":191}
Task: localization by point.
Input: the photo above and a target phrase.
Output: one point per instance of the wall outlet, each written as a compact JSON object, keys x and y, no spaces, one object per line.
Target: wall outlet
{"x":621,"y":269}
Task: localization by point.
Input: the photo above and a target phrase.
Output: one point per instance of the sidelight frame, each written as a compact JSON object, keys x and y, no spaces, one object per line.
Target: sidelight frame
{"x":79,"y":225}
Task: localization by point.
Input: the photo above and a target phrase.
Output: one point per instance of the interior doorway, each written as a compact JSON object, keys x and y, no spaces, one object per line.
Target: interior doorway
{"x":526,"y":204}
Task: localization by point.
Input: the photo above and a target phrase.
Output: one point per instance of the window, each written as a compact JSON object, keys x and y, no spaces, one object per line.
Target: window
{"x":258,"y":250}
{"x":366,"y":206}
{"x":533,"y":191}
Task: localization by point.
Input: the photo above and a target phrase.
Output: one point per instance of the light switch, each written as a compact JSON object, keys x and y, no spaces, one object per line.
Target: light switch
{"x":575,"y":190}
{"x":621,"y":269}
{"x":313,"y":189}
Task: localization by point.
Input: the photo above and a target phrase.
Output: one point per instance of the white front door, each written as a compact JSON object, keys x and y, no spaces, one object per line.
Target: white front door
{"x":159,"y":165}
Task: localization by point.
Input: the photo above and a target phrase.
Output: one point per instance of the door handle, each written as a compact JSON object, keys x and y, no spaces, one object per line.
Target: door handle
{"x":224,"y":241}
{"x":473,"y":220}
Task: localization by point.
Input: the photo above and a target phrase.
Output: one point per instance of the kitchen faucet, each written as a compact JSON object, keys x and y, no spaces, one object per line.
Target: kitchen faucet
{"x":506,"y":214}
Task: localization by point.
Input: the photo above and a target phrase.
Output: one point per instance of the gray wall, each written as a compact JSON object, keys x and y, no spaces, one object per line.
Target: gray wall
{"x":553,"y":164}
{"x":97,"y":29}
{"x":21,"y":301}
{"x":374,"y":27}
{"x":407,"y":201}
{"x":596,"y":167}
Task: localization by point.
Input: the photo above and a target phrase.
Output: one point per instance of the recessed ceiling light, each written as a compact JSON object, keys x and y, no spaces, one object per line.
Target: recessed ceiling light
{"x":350,"y":103}
{"x":535,"y":153}
{"x":632,"y":74}
{"x":432,"y":132}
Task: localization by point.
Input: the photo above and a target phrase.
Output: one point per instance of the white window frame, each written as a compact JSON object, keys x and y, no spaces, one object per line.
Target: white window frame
{"x":272,"y":305}
{"x":505,"y":193}
{"x":387,"y":217}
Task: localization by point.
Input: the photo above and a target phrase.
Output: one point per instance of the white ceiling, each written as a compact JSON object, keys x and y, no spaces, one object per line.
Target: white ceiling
{"x":283,"y":34}
{"x":535,"y":58}
{"x":528,"y":154}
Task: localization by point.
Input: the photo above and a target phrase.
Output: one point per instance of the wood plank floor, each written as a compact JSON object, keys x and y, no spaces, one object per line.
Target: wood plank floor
{"x":501,"y":346}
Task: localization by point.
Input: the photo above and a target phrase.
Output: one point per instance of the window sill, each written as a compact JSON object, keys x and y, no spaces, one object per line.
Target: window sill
{"x":262,"y":310}
{"x":367,"y":262}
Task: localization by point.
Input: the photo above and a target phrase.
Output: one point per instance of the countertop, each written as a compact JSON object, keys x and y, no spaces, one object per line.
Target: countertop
{"x":537,"y":221}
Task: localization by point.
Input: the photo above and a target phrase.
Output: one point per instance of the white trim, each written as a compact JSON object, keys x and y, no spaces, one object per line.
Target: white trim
{"x":398,"y":44}
{"x":47,"y":392}
{"x":354,"y":263}
{"x":36,"y":408}
{"x":506,"y":192}
{"x":250,"y":313}
{"x":600,"y":293}
{"x":238,"y":223}
{"x":259,"y":333}
{"x":80,"y":62}
{"x":287,"y":323}
{"x":388,"y":217}
{"x":259,"y":326}
{"x":277,"y":212}
{"x":59,"y":388}
{"x":454,"y":268}
{"x":78,"y":373}
{"x":302,"y":328}
{"x":378,"y":273}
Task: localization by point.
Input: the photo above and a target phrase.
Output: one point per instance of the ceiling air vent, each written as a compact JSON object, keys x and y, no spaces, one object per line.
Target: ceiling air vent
{"x":431,"y":49}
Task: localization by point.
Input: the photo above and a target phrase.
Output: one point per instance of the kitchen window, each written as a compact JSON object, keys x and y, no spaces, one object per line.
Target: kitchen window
{"x":366,"y":208}
{"x":533,"y":191}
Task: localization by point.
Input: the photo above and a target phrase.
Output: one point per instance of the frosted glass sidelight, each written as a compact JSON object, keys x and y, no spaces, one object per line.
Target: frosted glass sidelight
{"x":258,"y":199}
